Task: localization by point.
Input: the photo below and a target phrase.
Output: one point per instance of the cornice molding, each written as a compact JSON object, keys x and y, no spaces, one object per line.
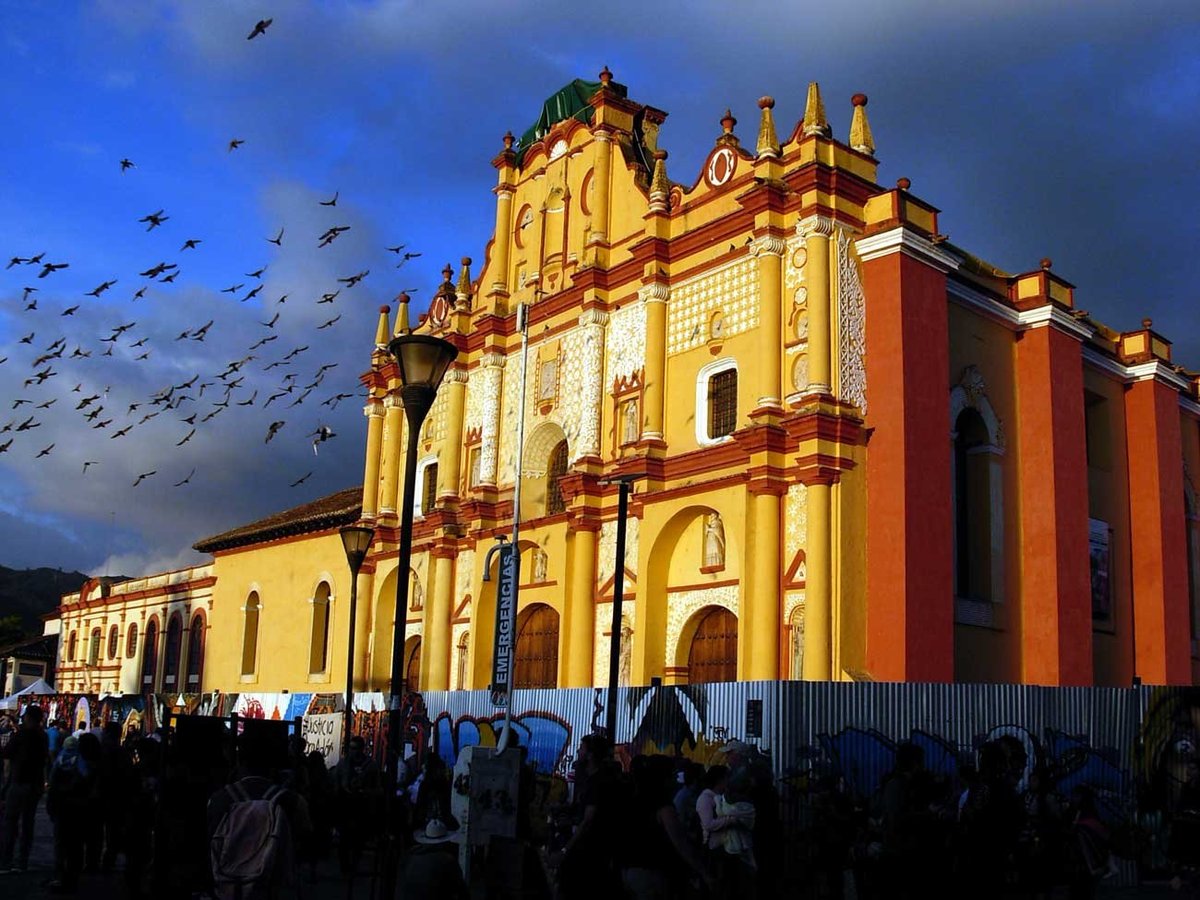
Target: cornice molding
{"x":1148,"y":371}
{"x":1156,"y":370}
{"x":904,"y":240}
{"x":822,"y":225}
{"x":988,"y":306}
{"x":1055,"y":316}
{"x":655,"y":292}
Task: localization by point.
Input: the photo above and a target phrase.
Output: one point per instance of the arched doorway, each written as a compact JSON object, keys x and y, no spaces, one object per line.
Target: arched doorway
{"x":412,"y":664}
{"x":537,"y":648}
{"x":383,"y":627}
{"x":712,"y":655}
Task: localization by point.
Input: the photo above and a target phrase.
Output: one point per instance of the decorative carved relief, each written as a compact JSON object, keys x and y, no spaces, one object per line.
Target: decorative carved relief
{"x":607,"y":551}
{"x":626,"y":342}
{"x":971,"y":393}
{"x":464,"y":568}
{"x":796,"y":520}
{"x":486,"y":386}
{"x":733,"y":288}
{"x":852,"y":326}
{"x":600,"y":647}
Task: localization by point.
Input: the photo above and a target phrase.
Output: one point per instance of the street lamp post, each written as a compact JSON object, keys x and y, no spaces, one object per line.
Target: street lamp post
{"x":422,"y":361}
{"x":355,"y":540}
{"x":624,"y":485}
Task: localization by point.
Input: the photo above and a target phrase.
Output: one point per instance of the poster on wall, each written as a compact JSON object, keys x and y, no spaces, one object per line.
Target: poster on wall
{"x":1100,"y":555}
{"x":323,"y":732}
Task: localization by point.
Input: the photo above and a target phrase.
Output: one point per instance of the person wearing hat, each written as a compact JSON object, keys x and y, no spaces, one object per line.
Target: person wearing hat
{"x":430,"y":870}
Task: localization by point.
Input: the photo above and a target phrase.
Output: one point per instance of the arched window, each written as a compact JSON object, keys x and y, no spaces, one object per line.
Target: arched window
{"x":716,"y":401}
{"x":131,"y":641}
{"x":250,"y":635}
{"x":556,"y":468}
{"x":94,"y":647}
{"x":173,"y":651}
{"x":972,"y":513}
{"x":150,"y":655}
{"x":114,"y":639}
{"x":318,"y":643}
{"x":429,"y":490}
{"x":195,"y":653}
{"x":72,"y":642}
{"x":713,"y":653}
{"x":536,"y":663}
{"x":464,"y":649}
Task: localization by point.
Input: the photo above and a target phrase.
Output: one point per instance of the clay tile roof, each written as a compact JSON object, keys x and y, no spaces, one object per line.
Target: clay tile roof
{"x":333,"y":510}
{"x":44,"y":647}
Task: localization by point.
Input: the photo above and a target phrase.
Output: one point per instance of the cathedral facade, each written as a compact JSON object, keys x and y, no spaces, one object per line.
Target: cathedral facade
{"x":861,"y":452}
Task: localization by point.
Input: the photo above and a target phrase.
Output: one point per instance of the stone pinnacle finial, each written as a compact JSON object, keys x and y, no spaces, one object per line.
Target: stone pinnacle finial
{"x":402,"y":326}
{"x":903,"y":183}
{"x":508,"y":140}
{"x":383,"y":329}
{"x":1147,"y":322}
{"x":1046,"y":262}
{"x":605,"y":77}
{"x":814,"y":113}
{"x":728,"y":122}
{"x":768,"y":142}
{"x":463,"y":288}
{"x":660,"y":187}
{"x":860,"y":129}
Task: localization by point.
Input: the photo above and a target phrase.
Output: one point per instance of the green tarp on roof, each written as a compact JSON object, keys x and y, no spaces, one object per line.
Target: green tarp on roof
{"x":568,"y":102}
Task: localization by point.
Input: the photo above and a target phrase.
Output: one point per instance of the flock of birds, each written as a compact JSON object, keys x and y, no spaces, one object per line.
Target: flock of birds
{"x":195,"y":401}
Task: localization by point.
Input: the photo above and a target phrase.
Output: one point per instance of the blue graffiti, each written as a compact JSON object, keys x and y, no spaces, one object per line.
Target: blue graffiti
{"x":545,"y":737}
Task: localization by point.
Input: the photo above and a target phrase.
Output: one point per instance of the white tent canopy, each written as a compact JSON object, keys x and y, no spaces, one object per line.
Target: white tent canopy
{"x":38,"y":687}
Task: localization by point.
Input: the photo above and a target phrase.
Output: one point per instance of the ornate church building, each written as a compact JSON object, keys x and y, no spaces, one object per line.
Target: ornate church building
{"x":862,"y":452}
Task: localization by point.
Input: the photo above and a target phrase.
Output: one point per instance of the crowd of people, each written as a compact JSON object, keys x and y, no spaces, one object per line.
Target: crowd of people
{"x":657,"y":828}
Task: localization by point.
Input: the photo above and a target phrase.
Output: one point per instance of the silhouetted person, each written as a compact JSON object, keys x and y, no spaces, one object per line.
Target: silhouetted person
{"x":26,"y":753}
{"x":70,"y":802}
{"x":359,"y":796}
{"x":587,"y":869}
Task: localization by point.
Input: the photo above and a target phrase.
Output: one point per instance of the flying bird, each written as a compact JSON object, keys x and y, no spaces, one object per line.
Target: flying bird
{"x":127,"y":164}
{"x":103,"y":423}
{"x":282,"y":299}
{"x":155,"y":219}
{"x":70,"y":310}
{"x":234,"y":144}
{"x":266,"y":340}
{"x":330,"y":323}
{"x":29,"y":424}
{"x":257,"y":273}
{"x":47,"y":268}
{"x":300,"y":481}
{"x":4,"y":447}
{"x":139,"y":293}
{"x":45,"y":452}
{"x":187,"y":437}
{"x":101,"y":288}
{"x":16,"y":261}
{"x":332,"y":202}
{"x":190,"y":244}
{"x":124,"y":431}
{"x":277,"y":240}
{"x":144,"y":476}
{"x":355,"y":279}
{"x":272,"y":429}
{"x":28,"y":291}
{"x":89,"y":462}
{"x":232,"y":289}
{"x":407,"y":257}
{"x":186,"y":480}
{"x":260,"y":27}
{"x":155,"y":271}
{"x":321,"y":435}
{"x":397,"y":249}
{"x":32,"y":304}
{"x":329,"y":298}
{"x":274,"y":319}
{"x":28,"y":339}
{"x":200,"y":333}
{"x":254,"y":293}
{"x":47,"y":404}
{"x":167,"y":279}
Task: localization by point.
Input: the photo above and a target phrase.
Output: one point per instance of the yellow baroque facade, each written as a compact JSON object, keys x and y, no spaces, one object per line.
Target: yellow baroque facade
{"x":861,"y":451}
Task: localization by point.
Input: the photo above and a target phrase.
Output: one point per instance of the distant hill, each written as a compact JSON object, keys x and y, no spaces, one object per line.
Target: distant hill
{"x":31,"y":593}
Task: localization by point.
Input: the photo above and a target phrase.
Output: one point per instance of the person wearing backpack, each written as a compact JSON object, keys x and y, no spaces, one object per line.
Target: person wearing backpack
{"x":254,"y":827}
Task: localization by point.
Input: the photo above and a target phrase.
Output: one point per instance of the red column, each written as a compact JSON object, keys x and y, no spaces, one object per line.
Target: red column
{"x":910,"y":603}
{"x":1162,"y":633}
{"x":1056,"y":599}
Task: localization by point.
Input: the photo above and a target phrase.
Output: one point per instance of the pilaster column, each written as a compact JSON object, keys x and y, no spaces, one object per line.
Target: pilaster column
{"x":370,"y":501}
{"x":601,"y":154}
{"x":594,"y":323}
{"x":449,"y":470}
{"x":758,"y":657}
{"x":581,"y":606}
{"x":817,"y":231}
{"x":818,"y":585}
{"x":393,"y":444}
{"x":1162,"y":651}
{"x":655,"y":296}
{"x":1056,"y":604}
{"x":769,"y":251}
{"x":360,"y":665}
{"x":490,"y":375}
{"x":435,"y":646}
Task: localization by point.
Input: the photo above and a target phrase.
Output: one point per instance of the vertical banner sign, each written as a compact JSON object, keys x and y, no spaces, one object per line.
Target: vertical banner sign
{"x":502,"y":655}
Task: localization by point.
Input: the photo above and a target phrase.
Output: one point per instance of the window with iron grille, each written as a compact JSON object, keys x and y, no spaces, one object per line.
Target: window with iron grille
{"x":94,"y":648}
{"x":722,"y":403}
{"x":429,"y":492}
{"x":113,"y":640}
{"x":556,"y":469}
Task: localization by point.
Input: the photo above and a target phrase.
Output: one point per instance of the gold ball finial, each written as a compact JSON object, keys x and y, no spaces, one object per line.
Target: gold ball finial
{"x":859,"y":100}
{"x":659,"y":154}
{"x":1046,"y":262}
{"x":508,"y":140}
{"x":1147,"y":322}
{"x":766,"y":102}
{"x":402,"y":297}
{"x":466,"y":260}
{"x":728,"y":121}
{"x":384,"y":309}
{"x":903,"y":183}
{"x":605,"y":76}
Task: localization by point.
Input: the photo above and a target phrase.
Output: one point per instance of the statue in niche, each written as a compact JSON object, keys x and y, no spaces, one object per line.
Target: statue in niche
{"x":630,"y":429}
{"x":714,"y":541}
{"x":626,"y":658}
{"x":540,"y":561}
{"x":416,"y":594}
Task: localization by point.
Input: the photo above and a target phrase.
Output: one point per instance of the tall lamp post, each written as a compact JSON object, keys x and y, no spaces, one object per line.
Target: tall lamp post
{"x":422,"y":361}
{"x":355,"y":540}
{"x":625,"y":485}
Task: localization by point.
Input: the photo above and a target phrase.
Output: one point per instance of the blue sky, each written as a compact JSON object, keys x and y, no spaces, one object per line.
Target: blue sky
{"x":1062,"y":130}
